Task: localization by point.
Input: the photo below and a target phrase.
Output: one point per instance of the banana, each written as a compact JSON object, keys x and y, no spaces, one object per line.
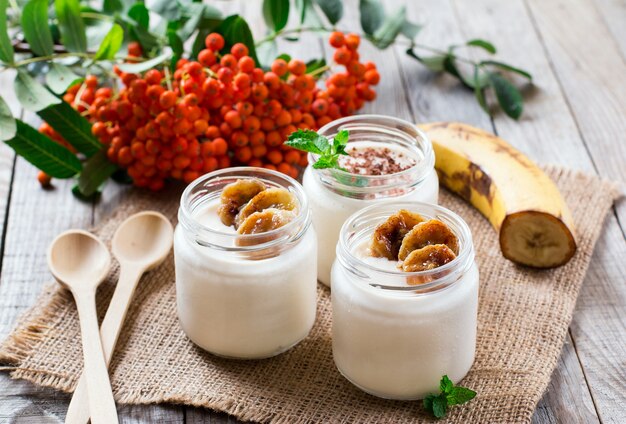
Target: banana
{"x":519,"y":200}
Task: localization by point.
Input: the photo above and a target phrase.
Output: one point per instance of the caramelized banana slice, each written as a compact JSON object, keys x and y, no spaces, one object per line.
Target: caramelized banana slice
{"x":276,"y":198}
{"x":428,"y":257}
{"x":426,"y":233}
{"x":265,"y":220}
{"x":388,"y":236}
{"x":236,"y":195}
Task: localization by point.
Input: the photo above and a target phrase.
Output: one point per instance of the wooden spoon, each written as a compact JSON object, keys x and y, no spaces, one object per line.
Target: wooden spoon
{"x":140,"y":243}
{"x":80,"y":261}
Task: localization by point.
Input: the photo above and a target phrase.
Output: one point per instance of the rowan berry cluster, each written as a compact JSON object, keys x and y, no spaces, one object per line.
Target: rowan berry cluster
{"x":219,"y":110}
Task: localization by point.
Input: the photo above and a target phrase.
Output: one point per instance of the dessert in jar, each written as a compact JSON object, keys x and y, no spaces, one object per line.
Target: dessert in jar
{"x":389,"y":160}
{"x":404,"y":299}
{"x":245,"y":256}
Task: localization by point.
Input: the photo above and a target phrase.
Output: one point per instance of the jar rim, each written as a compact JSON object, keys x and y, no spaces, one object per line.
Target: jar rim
{"x":222,"y":240}
{"x":438,"y":278}
{"x":383,"y":124}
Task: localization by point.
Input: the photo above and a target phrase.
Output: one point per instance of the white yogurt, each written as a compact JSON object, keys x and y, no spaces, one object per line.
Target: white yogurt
{"x":396,"y":340}
{"x":333,"y":201}
{"x":234,"y":305}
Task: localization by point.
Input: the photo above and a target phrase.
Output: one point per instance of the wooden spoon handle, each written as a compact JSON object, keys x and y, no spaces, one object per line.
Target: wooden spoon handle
{"x":100,"y":394}
{"x":78,"y":411}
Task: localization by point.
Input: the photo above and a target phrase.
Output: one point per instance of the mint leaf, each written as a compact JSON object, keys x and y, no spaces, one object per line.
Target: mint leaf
{"x":341,"y":139}
{"x":440,"y":406}
{"x":326,"y":162}
{"x":449,"y":395}
{"x":459,"y":395}
{"x":308,"y":141}
{"x":446,"y":384}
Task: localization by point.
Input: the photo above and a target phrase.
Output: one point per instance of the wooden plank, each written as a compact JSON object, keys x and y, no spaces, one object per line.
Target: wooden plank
{"x":567,"y":388}
{"x":614,"y":14}
{"x":549,"y":133}
{"x":590,"y":70}
{"x":206,"y":416}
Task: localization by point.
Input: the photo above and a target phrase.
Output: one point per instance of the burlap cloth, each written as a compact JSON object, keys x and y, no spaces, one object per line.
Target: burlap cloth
{"x":522,"y":323}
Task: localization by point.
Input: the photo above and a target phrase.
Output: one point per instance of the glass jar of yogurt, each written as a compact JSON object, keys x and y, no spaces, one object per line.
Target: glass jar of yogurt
{"x":396,"y":333}
{"x":402,"y":171}
{"x":244,"y":296}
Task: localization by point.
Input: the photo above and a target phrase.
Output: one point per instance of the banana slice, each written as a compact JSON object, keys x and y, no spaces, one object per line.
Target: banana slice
{"x":262,"y":222}
{"x":276,"y":198}
{"x":388,"y":236}
{"x":426,"y":233}
{"x":235,"y":195}
{"x":428,"y":257}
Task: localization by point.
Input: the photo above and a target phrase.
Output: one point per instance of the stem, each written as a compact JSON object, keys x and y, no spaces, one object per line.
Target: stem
{"x":51,"y":57}
{"x":320,"y":70}
{"x":100,"y":16}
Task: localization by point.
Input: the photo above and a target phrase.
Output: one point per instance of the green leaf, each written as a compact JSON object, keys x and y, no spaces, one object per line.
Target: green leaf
{"x":308,"y":141}
{"x":372,"y":15}
{"x":7,"y":122}
{"x":449,"y":65}
{"x":71,"y":25}
{"x":6,"y":48}
{"x":35,"y":27}
{"x":440,"y":406}
{"x":506,"y":67}
{"x":341,"y":139}
{"x":460,"y":395}
{"x":112,"y":6}
{"x":95,"y":172}
{"x":485,"y":45}
{"x":276,"y":13}
{"x":177,"y":47}
{"x":47,"y":155}
{"x":31,"y":94}
{"x":59,"y":78}
{"x":333,"y":9}
{"x":389,"y":30}
{"x":410,"y":29}
{"x":135,"y":68}
{"x":284,"y":56}
{"x":139,"y":13}
{"x":479,"y":92}
{"x":509,"y":97}
{"x":168,"y":9}
{"x":198,"y":42}
{"x":434,"y":63}
{"x":324,"y":162}
{"x":147,"y":40}
{"x":428,"y":402}
{"x":111,"y":44}
{"x":235,"y":29}
{"x":73,"y":127}
{"x":315,"y":64}
{"x":445,"y":385}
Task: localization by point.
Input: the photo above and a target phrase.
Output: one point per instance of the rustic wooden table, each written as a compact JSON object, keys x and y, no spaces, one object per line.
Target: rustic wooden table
{"x":575,"y":116}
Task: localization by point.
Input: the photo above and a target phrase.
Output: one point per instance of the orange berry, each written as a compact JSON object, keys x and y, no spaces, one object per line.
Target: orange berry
{"x":225,"y":75}
{"x":242,"y":81}
{"x":44,"y":179}
{"x":251,"y":124}
{"x":181,"y":162}
{"x":233,"y":119}
{"x":224,"y":162}
{"x":272,"y":81}
{"x":285,"y":168}
{"x":372,"y":76}
{"x":259,"y":92}
{"x":239,"y":139}
{"x":270,"y":167}
{"x":279,"y":67}
{"x":200,"y":126}
{"x":257,"y":163}
{"x":283,"y":118}
{"x":134,"y":49}
{"x":124,"y":157}
{"x":257,"y":138}
{"x":319,"y":107}
{"x":189,"y":176}
{"x":286,"y":131}
{"x":246,"y":64}
{"x":355,"y":68}
{"x":336,"y":39}
{"x":228,"y":61}
{"x":243,"y":154}
{"x":275,"y":156}
{"x":210,"y":165}
{"x":214,"y":41}
{"x":296,"y":67}
{"x":212,"y":132}
{"x":259,"y":151}
{"x":342,"y":55}
{"x":352,"y":41}
{"x":273,"y":139}
{"x":292,"y":157}
{"x":220,"y":147}
{"x":207,"y":58}
{"x":239,"y":50}
{"x":257,"y":73}
{"x":244,"y":108}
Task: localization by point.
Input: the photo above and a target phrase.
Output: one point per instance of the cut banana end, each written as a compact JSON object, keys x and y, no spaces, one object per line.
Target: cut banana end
{"x":536,"y":239}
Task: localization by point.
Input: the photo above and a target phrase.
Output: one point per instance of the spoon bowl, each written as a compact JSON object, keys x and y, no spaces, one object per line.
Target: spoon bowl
{"x":77,"y":258}
{"x":144,"y":238}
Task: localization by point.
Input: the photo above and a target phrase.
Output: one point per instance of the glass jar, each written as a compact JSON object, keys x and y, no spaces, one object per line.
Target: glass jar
{"x":244,"y":296}
{"x":395,"y":333}
{"x":336,"y":194}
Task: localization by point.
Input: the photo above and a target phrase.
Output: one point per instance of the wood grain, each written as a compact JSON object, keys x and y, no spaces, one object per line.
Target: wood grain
{"x":614,"y":15}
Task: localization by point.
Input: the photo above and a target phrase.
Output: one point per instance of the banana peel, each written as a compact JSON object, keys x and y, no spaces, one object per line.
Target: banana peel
{"x":520,"y":201}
